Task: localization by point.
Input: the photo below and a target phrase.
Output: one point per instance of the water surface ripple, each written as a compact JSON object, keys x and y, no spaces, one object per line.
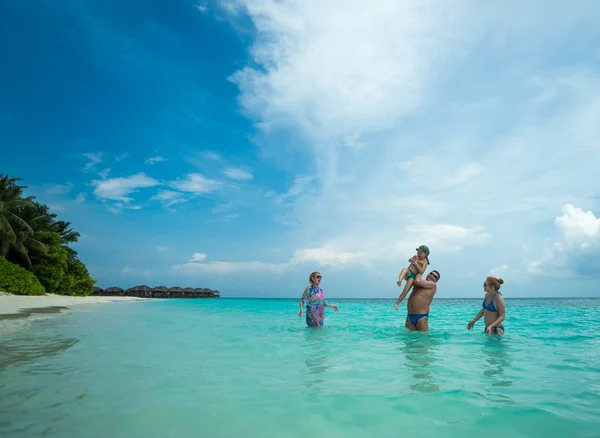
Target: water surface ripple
{"x":250,"y":368}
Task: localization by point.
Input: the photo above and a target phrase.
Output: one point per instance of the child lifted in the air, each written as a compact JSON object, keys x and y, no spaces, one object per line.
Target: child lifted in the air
{"x":418,"y":265}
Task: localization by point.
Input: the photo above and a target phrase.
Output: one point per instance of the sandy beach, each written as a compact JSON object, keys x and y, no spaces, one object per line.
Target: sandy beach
{"x":19,"y":306}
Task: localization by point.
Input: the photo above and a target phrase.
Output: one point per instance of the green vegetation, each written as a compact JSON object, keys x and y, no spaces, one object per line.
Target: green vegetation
{"x":18,"y":280}
{"x":35,"y":256}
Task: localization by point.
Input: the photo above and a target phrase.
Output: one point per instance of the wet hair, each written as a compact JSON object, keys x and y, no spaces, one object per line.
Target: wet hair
{"x":494,"y":282}
{"x":311,"y":276}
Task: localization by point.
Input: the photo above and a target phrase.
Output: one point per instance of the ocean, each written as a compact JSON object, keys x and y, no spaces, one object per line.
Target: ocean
{"x":251,"y":368}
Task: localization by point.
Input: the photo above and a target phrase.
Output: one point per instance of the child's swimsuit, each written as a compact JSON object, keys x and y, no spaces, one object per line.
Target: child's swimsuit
{"x":492,"y":308}
{"x":315,"y":306}
{"x":411,"y":274}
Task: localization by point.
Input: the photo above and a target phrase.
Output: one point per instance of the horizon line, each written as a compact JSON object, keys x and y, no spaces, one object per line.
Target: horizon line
{"x":436,"y":299}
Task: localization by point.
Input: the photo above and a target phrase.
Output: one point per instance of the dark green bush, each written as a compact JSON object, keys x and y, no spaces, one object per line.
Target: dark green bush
{"x":50,"y":268}
{"x":77,"y":280}
{"x":17,"y":280}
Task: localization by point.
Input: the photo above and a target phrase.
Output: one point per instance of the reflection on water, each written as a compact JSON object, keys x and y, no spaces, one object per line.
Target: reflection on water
{"x":25,"y":313}
{"x":316,"y":353}
{"x":496,"y":360}
{"x":421,"y":356}
{"x":27,"y":348}
{"x":18,"y":346}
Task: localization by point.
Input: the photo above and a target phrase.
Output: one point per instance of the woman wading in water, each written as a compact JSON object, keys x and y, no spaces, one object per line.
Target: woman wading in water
{"x":315,"y":302}
{"x":493,"y":308}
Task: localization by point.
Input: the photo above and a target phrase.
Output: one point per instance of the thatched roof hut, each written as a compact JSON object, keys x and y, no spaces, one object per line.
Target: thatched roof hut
{"x":139,"y":291}
{"x":114,"y":290}
{"x":160,"y":292}
{"x":188,"y":292}
{"x":176,"y":292}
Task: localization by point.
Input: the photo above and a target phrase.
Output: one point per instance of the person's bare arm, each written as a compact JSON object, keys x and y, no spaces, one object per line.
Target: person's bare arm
{"x":425,"y":284}
{"x":421,"y":266}
{"x":474,"y":320}
{"x":302,"y":303}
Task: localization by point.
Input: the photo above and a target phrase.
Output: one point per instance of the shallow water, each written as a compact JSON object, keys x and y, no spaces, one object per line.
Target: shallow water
{"x":250,"y":368}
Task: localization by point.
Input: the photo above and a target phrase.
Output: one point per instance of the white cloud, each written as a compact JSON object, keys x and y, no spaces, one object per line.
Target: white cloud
{"x":333,"y":255}
{"x":92,"y":160}
{"x":417,"y":130}
{"x":126,"y":270}
{"x":239,"y":174}
{"x":302,"y":185}
{"x":578,"y":228}
{"x":223,"y":208}
{"x":196,"y":183}
{"x":169,"y":198}
{"x":352,"y":141}
{"x":201,"y":8}
{"x":104,"y":173}
{"x":198,"y":257}
{"x":499,"y":271}
{"x":154,"y":160}
{"x":81,"y":197}
{"x":59,"y":189}
{"x":117,"y":207}
{"x":465,"y":174}
{"x":576,"y":252}
{"x":210,"y":155}
{"x":161,"y":248}
{"x":118,"y":189}
{"x":326,"y":256}
{"x":356,"y":73}
{"x":122,"y":156}
{"x":229,"y":268}
{"x":442,"y":238}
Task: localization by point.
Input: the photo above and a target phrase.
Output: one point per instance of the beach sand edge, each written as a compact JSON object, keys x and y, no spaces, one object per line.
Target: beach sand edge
{"x":21,"y":306}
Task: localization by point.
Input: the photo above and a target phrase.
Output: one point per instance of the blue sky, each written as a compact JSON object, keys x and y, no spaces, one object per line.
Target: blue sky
{"x":241,"y":145}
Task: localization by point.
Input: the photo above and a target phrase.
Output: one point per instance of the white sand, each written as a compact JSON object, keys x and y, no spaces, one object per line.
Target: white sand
{"x":12,"y":304}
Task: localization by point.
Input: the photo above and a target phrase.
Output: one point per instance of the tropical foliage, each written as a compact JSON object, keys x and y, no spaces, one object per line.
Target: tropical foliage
{"x":18,"y":280}
{"x":32,"y":238}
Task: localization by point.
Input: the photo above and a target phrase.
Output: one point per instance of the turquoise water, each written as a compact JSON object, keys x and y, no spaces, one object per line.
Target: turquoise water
{"x":250,"y":368}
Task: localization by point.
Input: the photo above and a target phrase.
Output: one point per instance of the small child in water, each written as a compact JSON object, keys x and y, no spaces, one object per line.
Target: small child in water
{"x":418,"y":265}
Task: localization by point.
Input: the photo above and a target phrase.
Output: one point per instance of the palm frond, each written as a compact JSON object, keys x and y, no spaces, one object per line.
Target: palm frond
{"x":35,"y":245}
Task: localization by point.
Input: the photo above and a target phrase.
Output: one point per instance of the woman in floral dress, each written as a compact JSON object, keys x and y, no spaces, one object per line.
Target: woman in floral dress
{"x":315,"y":302}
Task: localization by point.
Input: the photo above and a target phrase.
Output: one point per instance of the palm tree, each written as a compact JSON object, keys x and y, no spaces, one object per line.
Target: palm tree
{"x":40,"y":219}
{"x":21,"y":223}
{"x":67,"y":235}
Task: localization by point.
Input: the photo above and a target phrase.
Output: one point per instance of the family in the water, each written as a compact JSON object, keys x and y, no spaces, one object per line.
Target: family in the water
{"x":419,"y":302}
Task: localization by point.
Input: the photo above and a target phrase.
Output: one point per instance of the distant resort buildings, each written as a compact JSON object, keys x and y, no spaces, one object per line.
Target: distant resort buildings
{"x":144,"y":291}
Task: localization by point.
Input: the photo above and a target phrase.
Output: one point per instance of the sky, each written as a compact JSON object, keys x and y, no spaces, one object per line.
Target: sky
{"x":240,"y":145}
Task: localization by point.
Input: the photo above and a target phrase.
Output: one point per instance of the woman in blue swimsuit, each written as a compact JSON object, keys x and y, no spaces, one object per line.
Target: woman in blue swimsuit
{"x":493,"y":308}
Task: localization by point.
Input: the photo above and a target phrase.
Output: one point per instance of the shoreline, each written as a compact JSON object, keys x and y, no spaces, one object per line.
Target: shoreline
{"x":23,"y":306}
